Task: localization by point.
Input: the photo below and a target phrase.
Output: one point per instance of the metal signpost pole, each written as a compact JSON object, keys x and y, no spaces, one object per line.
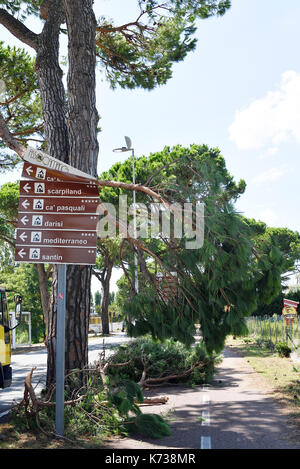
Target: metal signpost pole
{"x":57,"y":224}
{"x":60,"y":348}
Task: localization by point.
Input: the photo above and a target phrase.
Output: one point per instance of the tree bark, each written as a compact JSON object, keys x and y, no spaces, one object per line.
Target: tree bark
{"x":51,"y":85}
{"x":81,"y":120}
{"x":54,"y":112}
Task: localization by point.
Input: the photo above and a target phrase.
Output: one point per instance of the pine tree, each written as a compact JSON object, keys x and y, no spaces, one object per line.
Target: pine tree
{"x":220,"y":283}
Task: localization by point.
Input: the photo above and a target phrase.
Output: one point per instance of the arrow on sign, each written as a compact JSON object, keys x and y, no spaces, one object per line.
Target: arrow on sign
{"x":24,"y":220}
{"x":29,"y":170}
{"x":27,"y":187}
{"x":25,"y":204}
{"x":22,"y":253}
{"x":23,"y":236}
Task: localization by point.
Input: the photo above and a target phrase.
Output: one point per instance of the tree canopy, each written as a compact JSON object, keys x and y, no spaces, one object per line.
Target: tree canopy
{"x":238,"y":268}
{"x":19,"y":101}
{"x":141,"y":52}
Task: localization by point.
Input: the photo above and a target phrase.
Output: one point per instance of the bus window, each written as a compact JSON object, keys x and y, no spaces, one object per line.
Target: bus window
{"x":5,"y":318}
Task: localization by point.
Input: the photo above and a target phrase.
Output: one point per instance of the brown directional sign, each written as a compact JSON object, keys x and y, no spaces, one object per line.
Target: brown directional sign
{"x":55,"y":255}
{"x":62,"y":189}
{"x":88,"y":205}
{"x":56,"y":221}
{"x":58,"y":214}
{"x":56,"y":238}
{"x":40,"y":173}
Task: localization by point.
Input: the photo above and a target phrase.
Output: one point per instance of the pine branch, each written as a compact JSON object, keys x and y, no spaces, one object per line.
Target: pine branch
{"x":18,"y":29}
{"x":9,"y":139}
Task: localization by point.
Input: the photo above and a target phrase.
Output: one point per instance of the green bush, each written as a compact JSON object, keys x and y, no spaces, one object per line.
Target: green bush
{"x":150,"y":425}
{"x":163,"y":359}
{"x":283,"y":349}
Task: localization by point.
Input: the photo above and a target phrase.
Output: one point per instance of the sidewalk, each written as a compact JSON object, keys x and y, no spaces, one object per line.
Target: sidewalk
{"x":236,"y":412}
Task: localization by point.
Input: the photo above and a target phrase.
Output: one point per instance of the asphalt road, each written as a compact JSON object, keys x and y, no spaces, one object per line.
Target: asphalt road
{"x":23,"y":360}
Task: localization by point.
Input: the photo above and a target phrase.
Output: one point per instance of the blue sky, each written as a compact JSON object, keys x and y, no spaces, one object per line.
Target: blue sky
{"x":239,"y":91}
{"x":240,"y":59}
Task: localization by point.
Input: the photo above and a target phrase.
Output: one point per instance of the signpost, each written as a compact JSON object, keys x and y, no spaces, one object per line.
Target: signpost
{"x":57,"y":222}
{"x":289,"y":313}
{"x":289,"y":310}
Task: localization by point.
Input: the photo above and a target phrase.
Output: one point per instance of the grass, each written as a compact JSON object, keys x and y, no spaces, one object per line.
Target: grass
{"x":273,"y":328}
{"x":12,"y":439}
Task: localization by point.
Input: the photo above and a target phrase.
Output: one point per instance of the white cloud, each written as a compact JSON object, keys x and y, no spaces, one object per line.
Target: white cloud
{"x":268,"y":216}
{"x":269,"y":152}
{"x":271,"y":120}
{"x":270,"y":175}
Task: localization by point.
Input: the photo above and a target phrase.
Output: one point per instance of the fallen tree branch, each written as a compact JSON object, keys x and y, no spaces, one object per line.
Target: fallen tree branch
{"x":10,"y":140}
{"x":38,"y":404}
{"x":148,"y":382}
{"x":155,"y":400}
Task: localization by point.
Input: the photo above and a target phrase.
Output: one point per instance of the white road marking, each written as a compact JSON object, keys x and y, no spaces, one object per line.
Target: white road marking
{"x":4,"y":413}
{"x":206,"y":418}
{"x":205,"y":442}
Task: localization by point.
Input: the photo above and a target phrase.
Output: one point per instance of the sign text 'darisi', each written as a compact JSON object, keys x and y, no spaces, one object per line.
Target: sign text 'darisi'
{"x":59,"y":221}
{"x":57,"y":217}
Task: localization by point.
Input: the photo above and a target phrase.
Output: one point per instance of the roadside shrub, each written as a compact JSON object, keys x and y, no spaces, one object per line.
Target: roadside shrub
{"x":283,"y":349}
{"x":264,"y":343}
{"x":150,"y":425}
{"x":157,"y":359}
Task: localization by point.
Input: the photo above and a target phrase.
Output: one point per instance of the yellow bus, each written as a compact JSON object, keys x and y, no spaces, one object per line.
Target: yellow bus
{"x":5,"y":337}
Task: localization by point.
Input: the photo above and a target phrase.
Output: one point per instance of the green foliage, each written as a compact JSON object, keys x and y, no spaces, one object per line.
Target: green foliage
{"x":124,"y":398}
{"x":23,"y":279}
{"x":98,"y":298}
{"x":150,"y":425}
{"x":275,"y":307}
{"x":283,"y":349}
{"x":100,"y":409}
{"x":167,"y":358}
{"x":237,"y":269}
{"x":9,"y":200}
{"x":21,"y":8}
{"x":142,"y":53}
{"x":20,"y":103}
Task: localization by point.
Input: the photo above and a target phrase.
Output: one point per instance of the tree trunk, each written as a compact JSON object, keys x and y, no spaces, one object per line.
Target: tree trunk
{"x":82,"y":120}
{"x":70,"y":130}
{"x":51,"y":84}
{"x":54,"y":111}
{"x":105,"y":300}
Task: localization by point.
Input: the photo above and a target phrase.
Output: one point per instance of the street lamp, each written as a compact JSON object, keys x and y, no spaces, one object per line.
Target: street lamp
{"x":121,"y":150}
